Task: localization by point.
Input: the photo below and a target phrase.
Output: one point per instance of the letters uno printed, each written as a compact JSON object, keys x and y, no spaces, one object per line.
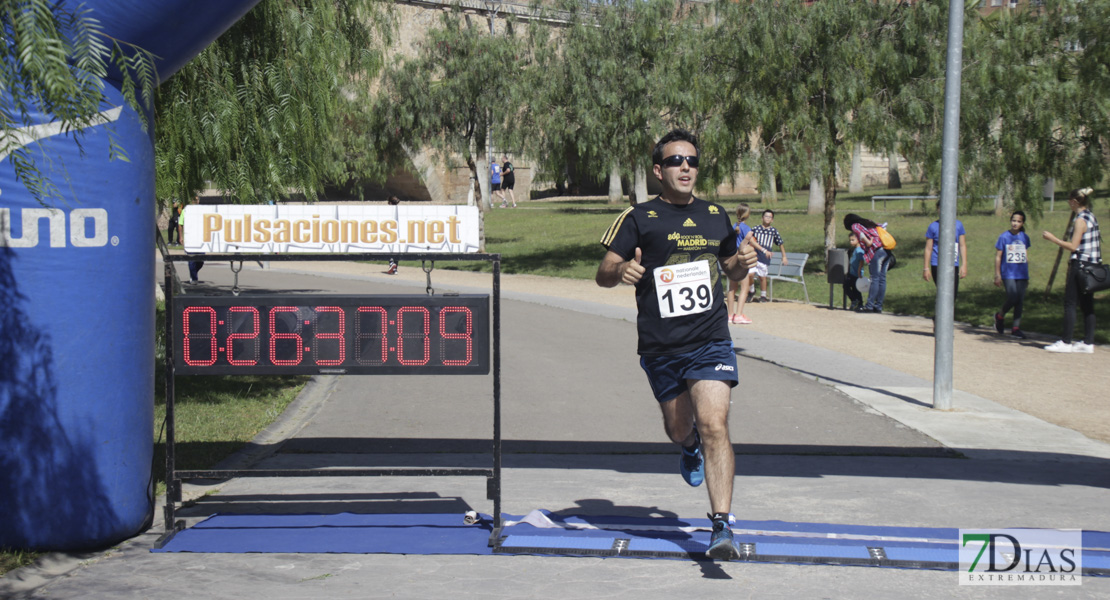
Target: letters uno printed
{"x":77,"y":222}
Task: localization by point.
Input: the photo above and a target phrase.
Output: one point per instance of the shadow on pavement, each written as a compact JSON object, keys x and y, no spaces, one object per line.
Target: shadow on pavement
{"x":790,"y":460}
{"x":398,"y":502}
{"x":402,"y":446}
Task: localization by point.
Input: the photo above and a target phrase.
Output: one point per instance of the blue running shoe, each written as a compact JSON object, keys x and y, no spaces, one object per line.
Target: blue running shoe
{"x":721,"y":546}
{"x":692,"y":466}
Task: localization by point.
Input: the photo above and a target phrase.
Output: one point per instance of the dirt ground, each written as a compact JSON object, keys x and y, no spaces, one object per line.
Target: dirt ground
{"x":1070,"y":390}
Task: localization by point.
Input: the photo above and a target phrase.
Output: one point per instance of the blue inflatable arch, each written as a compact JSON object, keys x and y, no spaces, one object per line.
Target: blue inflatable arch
{"x":77,"y":324}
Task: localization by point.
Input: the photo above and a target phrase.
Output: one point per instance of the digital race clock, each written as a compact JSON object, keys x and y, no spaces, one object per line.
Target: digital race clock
{"x":310,"y":334}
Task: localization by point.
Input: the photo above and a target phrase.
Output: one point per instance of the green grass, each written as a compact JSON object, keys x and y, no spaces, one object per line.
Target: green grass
{"x":560,"y":239}
{"x":553,"y":239}
{"x":217,"y":415}
{"x":14,"y":559}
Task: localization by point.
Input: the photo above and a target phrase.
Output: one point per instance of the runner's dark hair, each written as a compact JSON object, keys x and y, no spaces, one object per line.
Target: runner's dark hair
{"x":676,"y":135}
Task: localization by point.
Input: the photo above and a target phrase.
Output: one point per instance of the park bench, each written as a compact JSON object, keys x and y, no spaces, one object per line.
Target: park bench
{"x":792,"y":272}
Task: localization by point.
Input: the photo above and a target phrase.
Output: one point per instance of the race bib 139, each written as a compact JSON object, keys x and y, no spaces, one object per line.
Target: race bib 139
{"x":684,"y":289}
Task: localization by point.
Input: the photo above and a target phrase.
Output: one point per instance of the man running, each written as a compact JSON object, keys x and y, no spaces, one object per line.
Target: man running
{"x":685,"y":347}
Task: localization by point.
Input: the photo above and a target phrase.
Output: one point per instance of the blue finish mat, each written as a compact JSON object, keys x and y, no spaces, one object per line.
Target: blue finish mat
{"x":543,"y":533}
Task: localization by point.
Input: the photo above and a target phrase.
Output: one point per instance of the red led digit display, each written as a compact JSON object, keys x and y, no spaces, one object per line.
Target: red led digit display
{"x":371,"y":343}
{"x":247,"y":349}
{"x":463,"y":335}
{"x":415,"y":338}
{"x":285,"y":336}
{"x":308,"y":334}
{"x":328,"y":317}
{"x":198,"y":328}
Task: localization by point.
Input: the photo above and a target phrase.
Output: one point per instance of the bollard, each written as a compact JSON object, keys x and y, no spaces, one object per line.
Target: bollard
{"x":836,"y":270}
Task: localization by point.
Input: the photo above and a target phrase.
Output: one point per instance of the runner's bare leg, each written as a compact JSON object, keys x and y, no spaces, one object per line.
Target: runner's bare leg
{"x":708,"y":402}
{"x":678,"y":419}
{"x":711,"y":403}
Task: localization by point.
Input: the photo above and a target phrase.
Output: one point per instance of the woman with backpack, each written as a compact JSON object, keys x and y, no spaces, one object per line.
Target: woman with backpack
{"x":874,"y":255}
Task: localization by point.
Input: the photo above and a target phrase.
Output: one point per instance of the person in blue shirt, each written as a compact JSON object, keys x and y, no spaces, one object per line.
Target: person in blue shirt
{"x":1011,"y":271}
{"x":495,"y":183}
{"x":932,"y":252}
{"x":855,"y":271}
{"x":738,"y":290}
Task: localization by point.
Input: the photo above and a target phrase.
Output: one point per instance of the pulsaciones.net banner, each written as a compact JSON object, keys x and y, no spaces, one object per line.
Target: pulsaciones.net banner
{"x":330,"y":228}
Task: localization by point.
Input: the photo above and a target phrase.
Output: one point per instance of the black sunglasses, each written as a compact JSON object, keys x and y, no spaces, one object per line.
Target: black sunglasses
{"x":676,"y":161}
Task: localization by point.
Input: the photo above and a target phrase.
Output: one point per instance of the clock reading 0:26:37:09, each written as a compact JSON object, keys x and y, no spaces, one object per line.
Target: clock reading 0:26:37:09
{"x":310,"y":334}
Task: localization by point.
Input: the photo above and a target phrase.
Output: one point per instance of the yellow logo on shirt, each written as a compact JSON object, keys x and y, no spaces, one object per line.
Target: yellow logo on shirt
{"x":652,"y":214}
{"x":689,"y":242}
{"x":713,"y":210}
{"x":689,"y":223}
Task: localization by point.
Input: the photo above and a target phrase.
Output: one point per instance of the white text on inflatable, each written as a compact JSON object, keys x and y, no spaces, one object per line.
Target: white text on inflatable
{"x":78,"y":220}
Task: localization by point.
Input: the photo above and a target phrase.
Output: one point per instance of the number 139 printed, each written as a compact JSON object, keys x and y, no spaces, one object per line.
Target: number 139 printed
{"x":683,"y":289}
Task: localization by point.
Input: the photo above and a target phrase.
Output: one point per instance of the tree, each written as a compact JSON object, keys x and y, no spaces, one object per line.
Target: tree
{"x":907,"y":119}
{"x":461,"y":83}
{"x":1028,"y":111}
{"x":53,"y":61}
{"x":1079,"y":32}
{"x":608,"y":85}
{"x":1004,"y":111}
{"x":266,"y":110}
{"x":804,"y":77}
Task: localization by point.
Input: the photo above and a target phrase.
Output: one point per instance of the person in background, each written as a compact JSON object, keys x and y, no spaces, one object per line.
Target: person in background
{"x":855,"y":271}
{"x":175,"y":223}
{"x":738,"y":290}
{"x":932,"y":253}
{"x":1011,"y":271}
{"x":495,"y":182}
{"x":876,"y":258}
{"x":1085,"y":246}
{"x":194,"y":265}
{"x":392,"y":270}
{"x":508,"y":181}
{"x":766,"y":237}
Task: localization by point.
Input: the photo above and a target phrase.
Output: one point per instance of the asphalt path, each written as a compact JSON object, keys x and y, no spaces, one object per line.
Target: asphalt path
{"x":571,"y":384}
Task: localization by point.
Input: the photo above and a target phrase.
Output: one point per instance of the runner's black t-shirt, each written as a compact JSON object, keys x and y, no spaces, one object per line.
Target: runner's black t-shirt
{"x":668,"y":234}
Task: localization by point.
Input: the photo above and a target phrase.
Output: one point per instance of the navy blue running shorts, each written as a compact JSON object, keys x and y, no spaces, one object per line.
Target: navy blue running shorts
{"x":668,"y":374}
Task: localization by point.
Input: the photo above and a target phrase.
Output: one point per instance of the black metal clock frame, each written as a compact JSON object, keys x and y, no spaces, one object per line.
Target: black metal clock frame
{"x":175,"y":476}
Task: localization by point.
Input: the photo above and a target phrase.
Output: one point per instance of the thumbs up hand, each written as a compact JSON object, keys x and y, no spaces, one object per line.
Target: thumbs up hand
{"x":633,"y":271}
{"x":747,"y":253}
{"x":738,"y":265}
